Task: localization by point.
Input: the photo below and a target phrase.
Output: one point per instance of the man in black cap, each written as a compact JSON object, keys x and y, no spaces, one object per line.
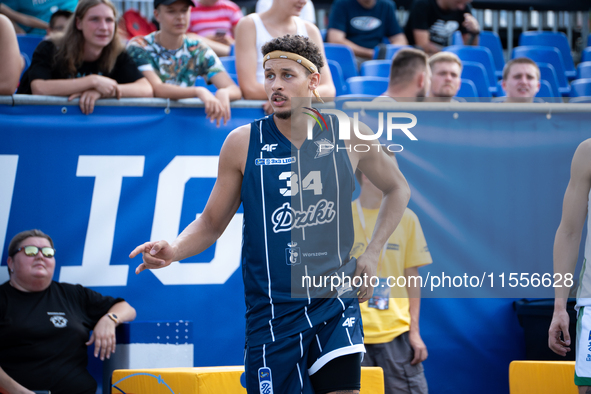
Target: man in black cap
{"x":171,"y":61}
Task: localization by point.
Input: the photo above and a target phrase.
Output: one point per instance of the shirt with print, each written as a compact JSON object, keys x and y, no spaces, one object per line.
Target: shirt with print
{"x":179,"y":66}
{"x":44,"y":67}
{"x":43,"y":336}
{"x":441,"y":24}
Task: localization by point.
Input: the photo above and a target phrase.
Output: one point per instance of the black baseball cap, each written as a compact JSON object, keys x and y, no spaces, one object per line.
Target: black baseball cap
{"x":169,"y":2}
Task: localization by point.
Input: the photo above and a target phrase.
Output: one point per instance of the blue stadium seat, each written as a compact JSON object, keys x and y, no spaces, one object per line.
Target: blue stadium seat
{"x":229,"y":63}
{"x":492,"y":41}
{"x":586,"y":55}
{"x":232,"y":50}
{"x":343,"y":55}
{"x":323,"y":34}
{"x":480,"y":55}
{"x":584,"y":70}
{"x":546,"y":93}
{"x":500,"y":91}
{"x":476,"y":73}
{"x":376,"y":68}
{"x":545,"y":54}
{"x":200,"y":81}
{"x":467,"y":89}
{"x":457,"y":38}
{"x":27,"y":43}
{"x":589,"y":40}
{"x":391,"y":50}
{"x":581,"y":87}
{"x":548,"y":74}
{"x":337,"y":78}
{"x":557,"y":40}
{"x":368,"y":85}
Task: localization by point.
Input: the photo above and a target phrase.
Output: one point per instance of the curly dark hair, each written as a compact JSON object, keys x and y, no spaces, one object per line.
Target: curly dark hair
{"x":301,"y":45}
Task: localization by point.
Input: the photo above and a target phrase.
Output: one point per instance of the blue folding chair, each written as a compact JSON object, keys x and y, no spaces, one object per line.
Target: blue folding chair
{"x":547,"y":73}
{"x":581,"y":87}
{"x":545,"y":54}
{"x":586,"y":55}
{"x":476,"y":73}
{"x":338,"y":80}
{"x":343,"y":55}
{"x":391,"y":50}
{"x":467,"y":89}
{"x":376,"y":68}
{"x":368,"y":85}
{"x":584,"y":70}
{"x":491,"y":40}
{"x":229,"y":63}
{"x":27,"y":43}
{"x":480,"y":55}
{"x":557,"y":40}
{"x":457,"y":38}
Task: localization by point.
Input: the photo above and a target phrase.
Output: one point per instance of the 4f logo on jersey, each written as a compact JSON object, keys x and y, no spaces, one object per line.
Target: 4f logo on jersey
{"x":349,"y":322}
{"x":325,"y":147}
{"x":269,"y":147}
{"x":265,"y":382}
{"x":292,"y":254}
{"x":285,"y":217}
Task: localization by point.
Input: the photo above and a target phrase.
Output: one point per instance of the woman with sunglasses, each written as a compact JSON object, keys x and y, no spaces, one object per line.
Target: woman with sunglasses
{"x":88,"y":61}
{"x":45,"y":325}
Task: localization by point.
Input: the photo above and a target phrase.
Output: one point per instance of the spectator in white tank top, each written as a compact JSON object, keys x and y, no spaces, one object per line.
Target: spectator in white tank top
{"x":256,"y":29}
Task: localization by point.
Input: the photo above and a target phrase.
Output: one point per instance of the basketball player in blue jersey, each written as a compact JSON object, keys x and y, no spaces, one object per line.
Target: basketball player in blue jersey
{"x":576,"y":207}
{"x":296,"y":193}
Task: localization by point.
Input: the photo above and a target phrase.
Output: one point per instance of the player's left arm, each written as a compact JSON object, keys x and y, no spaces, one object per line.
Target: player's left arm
{"x":414,"y":303}
{"x":383,"y":172}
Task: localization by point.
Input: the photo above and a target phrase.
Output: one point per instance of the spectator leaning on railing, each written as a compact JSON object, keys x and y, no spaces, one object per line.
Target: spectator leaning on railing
{"x":88,"y":61}
{"x":172,"y":62}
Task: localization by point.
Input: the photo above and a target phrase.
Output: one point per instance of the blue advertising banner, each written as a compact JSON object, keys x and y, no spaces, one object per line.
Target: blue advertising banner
{"x":486,"y":185}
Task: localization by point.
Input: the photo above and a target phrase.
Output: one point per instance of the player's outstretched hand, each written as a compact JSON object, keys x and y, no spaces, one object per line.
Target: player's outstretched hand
{"x":560,"y":322}
{"x":155,"y":255}
{"x":366,"y":268}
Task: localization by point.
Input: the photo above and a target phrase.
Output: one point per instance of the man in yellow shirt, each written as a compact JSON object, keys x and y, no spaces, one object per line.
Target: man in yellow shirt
{"x":391,"y":316}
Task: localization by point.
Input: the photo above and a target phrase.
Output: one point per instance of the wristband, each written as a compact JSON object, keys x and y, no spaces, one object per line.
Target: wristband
{"x":113,"y":317}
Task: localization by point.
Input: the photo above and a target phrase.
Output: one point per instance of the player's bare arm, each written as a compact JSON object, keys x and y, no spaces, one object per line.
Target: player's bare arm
{"x":567,"y":241}
{"x":219,"y":210}
{"x":385,"y":175}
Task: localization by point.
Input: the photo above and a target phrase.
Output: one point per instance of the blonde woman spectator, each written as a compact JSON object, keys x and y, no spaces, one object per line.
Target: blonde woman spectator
{"x":12,"y":64}
{"x":88,"y":61}
{"x":254,"y":30}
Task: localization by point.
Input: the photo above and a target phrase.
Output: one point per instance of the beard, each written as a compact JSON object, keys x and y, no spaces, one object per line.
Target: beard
{"x":283,"y":114}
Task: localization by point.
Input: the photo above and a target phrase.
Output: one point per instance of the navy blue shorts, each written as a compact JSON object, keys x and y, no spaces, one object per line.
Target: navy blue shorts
{"x":285,"y":366}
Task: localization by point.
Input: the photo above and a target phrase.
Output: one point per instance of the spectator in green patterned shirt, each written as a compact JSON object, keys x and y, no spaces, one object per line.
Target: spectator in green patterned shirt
{"x":172,"y":62}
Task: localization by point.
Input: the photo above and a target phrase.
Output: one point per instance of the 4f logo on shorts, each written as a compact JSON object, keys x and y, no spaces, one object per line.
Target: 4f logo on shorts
{"x":265,"y":383}
{"x":292,"y":254}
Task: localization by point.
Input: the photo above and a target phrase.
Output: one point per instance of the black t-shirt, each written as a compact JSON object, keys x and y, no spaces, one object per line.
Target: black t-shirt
{"x":43,"y":66}
{"x":426,"y":15}
{"x":42,"y":336}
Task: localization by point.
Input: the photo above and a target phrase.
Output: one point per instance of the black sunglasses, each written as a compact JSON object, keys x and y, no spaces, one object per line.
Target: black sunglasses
{"x":32,"y":250}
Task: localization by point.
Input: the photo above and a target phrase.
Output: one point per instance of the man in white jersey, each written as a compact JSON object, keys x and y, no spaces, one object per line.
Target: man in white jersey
{"x":566,"y":247}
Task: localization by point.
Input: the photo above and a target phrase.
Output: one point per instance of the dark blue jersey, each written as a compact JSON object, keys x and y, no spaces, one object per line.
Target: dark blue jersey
{"x":297,"y":221}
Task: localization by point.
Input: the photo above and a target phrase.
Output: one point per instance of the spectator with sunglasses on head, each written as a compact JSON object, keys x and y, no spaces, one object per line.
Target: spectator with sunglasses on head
{"x":45,"y":325}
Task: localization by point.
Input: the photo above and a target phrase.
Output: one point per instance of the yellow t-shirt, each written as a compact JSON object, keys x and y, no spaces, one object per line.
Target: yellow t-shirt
{"x":406,"y":248}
